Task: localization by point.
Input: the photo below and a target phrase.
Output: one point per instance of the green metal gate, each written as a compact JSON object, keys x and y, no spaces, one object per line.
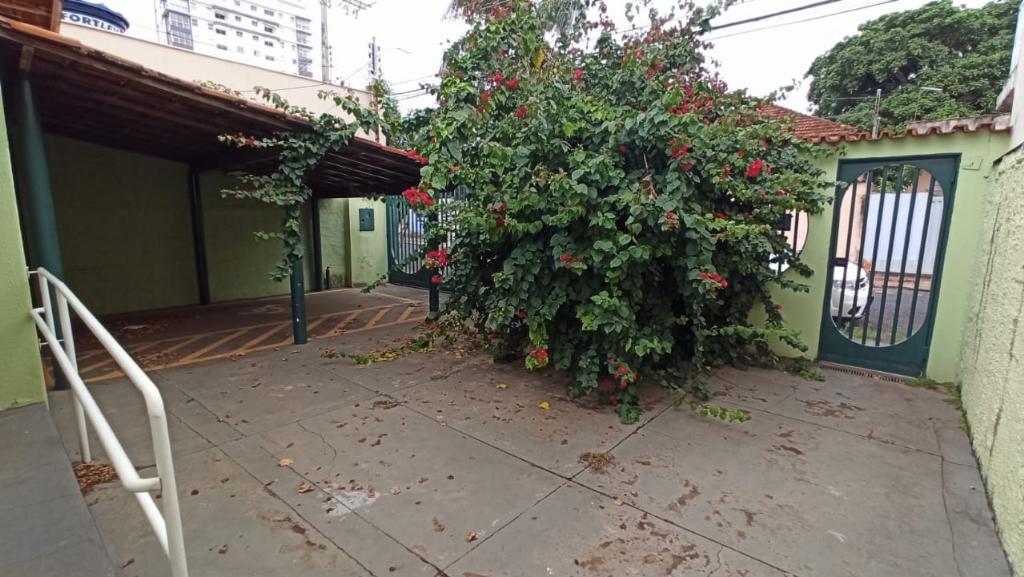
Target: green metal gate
{"x":407,"y":237}
{"x":891,"y":221}
{"x":406,"y":242}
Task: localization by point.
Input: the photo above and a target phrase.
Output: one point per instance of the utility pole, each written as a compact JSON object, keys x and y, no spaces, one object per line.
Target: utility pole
{"x":877,"y":121}
{"x":353,"y":7}
{"x":374,"y":67}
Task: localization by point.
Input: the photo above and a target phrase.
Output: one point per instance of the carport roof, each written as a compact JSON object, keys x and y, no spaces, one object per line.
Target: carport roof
{"x":97,"y":97}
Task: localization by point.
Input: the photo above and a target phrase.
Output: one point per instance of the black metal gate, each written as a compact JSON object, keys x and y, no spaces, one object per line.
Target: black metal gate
{"x":890,"y":225}
{"x":407,"y":237}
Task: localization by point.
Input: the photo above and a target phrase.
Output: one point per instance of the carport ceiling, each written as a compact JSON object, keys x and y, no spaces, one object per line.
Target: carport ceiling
{"x":97,"y":97}
{"x":41,"y":13}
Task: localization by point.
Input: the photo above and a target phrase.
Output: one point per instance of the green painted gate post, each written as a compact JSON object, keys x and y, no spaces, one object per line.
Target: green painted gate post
{"x":298,"y":303}
{"x":195,"y":196}
{"x":434,"y":292}
{"x":318,"y":252}
{"x":36,"y":193}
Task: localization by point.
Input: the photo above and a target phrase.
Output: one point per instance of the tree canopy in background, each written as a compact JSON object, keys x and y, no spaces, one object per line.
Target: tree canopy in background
{"x":964,"y":52}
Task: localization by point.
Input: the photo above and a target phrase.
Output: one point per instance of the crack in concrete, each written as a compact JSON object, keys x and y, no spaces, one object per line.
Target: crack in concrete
{"x":334,"y":450}
{"x":945,"y":506}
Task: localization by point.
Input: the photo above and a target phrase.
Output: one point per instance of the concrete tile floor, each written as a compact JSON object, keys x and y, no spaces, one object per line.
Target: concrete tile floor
{"x":424,"y":466}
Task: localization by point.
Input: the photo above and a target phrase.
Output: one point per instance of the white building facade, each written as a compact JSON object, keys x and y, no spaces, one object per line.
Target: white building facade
{"x":281,"y":35}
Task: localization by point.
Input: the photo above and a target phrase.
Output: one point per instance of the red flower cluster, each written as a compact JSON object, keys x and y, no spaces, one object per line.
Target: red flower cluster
{"x":671,"y":219}
{"x":677,"y":149}
{"x":415,"y":155}
{"x":568,"y":260}
{"x":497,"y":78}
{"x":245,"y":140}
{"x":780,"y":192}
{"x":418,"y":197}
{"x":521,"y":113}
{"x":715,"y":278}
{"x":721,"y":215}
{"x":538,"y":358}
{"x":577,"y":74}
{"x":511,"y":84}
{"x":521,"y":314}
{"x":622,"y":148}
{"x":497,"y":207}
{"x":755,"y":168}
{"x":727,"y":171}
{"x":622,"y":372}
{"x":437,"y":258}
{"x":485,"y":97}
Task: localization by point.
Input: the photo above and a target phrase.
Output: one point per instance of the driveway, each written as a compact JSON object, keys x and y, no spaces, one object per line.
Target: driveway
{"x":293,"y":463}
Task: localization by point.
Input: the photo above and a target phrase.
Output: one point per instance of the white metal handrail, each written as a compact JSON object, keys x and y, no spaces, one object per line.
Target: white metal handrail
{"x":166,"y":524}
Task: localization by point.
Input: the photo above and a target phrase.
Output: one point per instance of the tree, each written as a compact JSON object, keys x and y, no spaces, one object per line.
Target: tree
{"x":611,"y":213}
{"x":964,"y":52}
{"x":559,"y":13}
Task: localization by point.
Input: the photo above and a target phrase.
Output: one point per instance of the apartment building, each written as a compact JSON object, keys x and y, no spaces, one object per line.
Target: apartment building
{"x":277,"y":34}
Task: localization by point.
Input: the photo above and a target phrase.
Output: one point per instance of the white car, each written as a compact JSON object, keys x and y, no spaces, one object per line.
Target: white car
{"x":855,"y":296}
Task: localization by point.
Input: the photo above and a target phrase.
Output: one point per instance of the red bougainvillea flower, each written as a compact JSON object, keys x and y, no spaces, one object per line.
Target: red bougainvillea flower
{"x":577,"y":74}
{"x":714,"y":278}
{"x":415,"y":155}
{"x":500,"y":221}
{"x":727,"y":171}
{"x":511,"y":84}
{"x":565,"y":258}
{"x":436,"y":279}
{"x":437,"y":258}
{"x":740,"y":154}
{"x":678,"y":149}
{"x":521,"y":112}
{"x":670,"y":220}
{"x":539,"y":354}
{"x":485,"y":96}
{"x":622,"y":148}
{"x":686,"y":166}
{"x":780,"y":192}
{"x":721,"y":215}
{"x":521,"y":314}
{"x":497,"y":78}
{"x":538,"y":358}
{"x":755,"y":168}
{"x":497,"y":207}
{"x":417,"y":197}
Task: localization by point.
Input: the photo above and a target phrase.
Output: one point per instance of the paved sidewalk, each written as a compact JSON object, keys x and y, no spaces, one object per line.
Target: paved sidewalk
{"x":293,"y":464}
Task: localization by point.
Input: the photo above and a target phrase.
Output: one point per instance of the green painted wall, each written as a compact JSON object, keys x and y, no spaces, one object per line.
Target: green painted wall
{"x":992,"y":375}
{"x":803,"y":311}
{"x":239,"y":263}
{"x":21,"y":375}
{"x":124,"y":226}
{"x":334,"y":240}
{"x":369,"y":249}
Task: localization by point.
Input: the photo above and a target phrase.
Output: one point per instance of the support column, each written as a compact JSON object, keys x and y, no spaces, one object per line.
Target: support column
{"x":318,"y":253}
{"x":195,"y":197}
{"x":434,"y":292}
{"x":35,"y":192}
{"x":298,"y":304}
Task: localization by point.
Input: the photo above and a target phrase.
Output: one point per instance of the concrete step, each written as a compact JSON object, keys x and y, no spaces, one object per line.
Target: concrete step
{"x":45,"y":526}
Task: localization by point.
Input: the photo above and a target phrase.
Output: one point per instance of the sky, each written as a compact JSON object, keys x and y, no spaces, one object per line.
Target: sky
{"x":761,"y":56}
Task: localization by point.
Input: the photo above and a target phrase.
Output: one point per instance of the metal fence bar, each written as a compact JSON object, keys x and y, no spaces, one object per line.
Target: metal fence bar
{"x":864,"y":214}
{"x":167,"y":524}
{"x":921,"y":252}
{"x":903,"y":259}
{"x":874,"y":249}
{"x":846,"y":258}
{"x":898,"y":193}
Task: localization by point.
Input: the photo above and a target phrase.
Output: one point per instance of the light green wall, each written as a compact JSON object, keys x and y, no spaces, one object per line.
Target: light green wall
{"x":334,"y":239}
{"x":21,"y":375}
{"x":992,"y":374}
{"x":803,"y":311}
{"x":124,"y":226}
{"x":369,"y":249}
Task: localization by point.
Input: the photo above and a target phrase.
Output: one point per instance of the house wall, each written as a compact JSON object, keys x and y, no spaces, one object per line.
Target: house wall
{"x":992,"y":375}
{"x":21,"y":375}
{"x":803,"y":311}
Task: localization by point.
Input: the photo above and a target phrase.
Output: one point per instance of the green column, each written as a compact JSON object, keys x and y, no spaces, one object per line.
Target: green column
{"x":195,"y":197}
{"x":298,"y":303}
{"x":35,"y":193}
{"x":318,"y":252}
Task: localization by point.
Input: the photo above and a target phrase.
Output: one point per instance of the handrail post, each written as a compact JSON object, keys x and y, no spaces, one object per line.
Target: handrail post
{"x":69,"y":348}
{"x":169,"y":492}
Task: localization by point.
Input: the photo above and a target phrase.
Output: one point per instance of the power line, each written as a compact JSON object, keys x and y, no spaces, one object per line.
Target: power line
{"x":774,"y":14}
{"x":810,"y":19}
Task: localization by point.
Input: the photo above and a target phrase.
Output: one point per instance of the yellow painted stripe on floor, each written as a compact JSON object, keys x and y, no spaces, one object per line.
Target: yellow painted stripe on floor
{"x":406,"y":314}
{"x":266,"y":335}
{"x":195,"y":355}
{"x":376,"y":318}
{"x":338,"y":327}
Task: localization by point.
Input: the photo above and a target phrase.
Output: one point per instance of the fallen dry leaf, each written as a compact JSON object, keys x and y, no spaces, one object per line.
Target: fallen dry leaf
{"x":223,"y":549}
{"x":544,"y":405}
{"x":502,"y":386}
{"x":619,"y":502}
{"x":305,"y":487}
{"x":285,"y":463}
{"x":470,"y":537}
{"x":597,"y":461}
{"x":438,"y":525}
{"x":91,"y":474}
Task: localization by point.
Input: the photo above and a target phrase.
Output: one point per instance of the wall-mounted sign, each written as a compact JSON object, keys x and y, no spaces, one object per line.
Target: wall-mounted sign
{"x":95,"y":15}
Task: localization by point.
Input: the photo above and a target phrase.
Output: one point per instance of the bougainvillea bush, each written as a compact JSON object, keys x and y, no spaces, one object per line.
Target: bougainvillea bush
{"x":607,"y":207}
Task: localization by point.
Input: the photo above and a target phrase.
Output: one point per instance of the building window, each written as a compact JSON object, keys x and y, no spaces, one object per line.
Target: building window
{"x":253,"y":7}
{"x":238,"y":18}
{"x":220,"y":16}
{"x":179,"y":30}
{"x":255,"y":36}
{"x":255,"y":52}
{"x":255,"y":23}
{"x":268,"y":29}
{"x":270,"y":58}
{"x":238,"y":33}
{"x":222,"y":47}
{"x":241,"y":49}
{"x":268,"y":11}
{"x":305,"y":61}
{"x":222,"y":32}
{"x":303,"y":38}
{"x":269,"y":43}
{"x":302,"y":24}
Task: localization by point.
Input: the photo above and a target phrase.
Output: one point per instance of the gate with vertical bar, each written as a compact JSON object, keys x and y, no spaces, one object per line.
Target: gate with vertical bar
{"x":407,"y":237}
{"x":890,"y":225}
